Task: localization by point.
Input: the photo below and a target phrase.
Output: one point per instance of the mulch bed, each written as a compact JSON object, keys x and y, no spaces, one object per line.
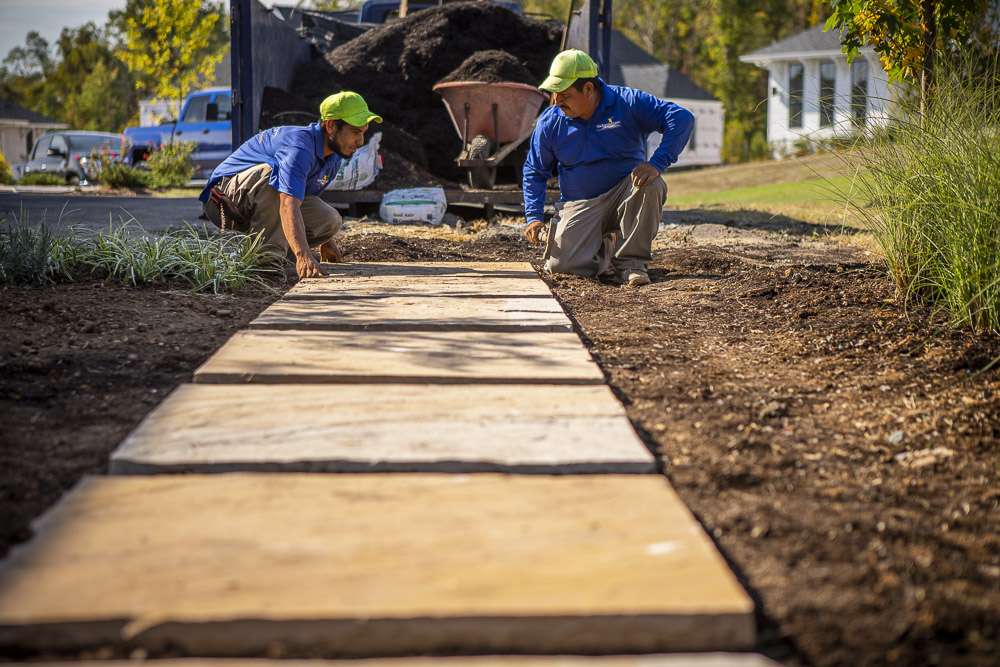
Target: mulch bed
{"x":841,"y":449}
{"x":80,"y":365}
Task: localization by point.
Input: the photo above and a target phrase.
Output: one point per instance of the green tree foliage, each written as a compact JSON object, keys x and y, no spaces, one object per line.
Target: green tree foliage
{"x":81,"y":83}
{"x":171,"y":46}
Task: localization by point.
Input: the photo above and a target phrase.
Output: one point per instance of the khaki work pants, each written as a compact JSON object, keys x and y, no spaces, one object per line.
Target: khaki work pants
{"x":576,"y":243}
{"x":259,"y":203}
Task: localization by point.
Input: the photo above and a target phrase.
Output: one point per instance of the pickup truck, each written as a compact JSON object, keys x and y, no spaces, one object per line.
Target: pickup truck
{"x":205,"y":119}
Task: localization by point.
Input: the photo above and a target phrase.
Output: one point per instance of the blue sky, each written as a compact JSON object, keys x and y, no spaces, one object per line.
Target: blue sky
{"x":49,"y":17}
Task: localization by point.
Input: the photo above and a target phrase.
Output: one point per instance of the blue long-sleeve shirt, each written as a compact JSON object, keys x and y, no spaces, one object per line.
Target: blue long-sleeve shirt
{"x":295,"y":153}
{"x":593,"y":155}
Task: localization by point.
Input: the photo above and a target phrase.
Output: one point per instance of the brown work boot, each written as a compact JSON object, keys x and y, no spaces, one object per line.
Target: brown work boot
{"x":635,"y":277}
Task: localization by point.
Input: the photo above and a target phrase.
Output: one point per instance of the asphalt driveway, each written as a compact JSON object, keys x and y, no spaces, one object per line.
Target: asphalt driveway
{"x":60,"y":211}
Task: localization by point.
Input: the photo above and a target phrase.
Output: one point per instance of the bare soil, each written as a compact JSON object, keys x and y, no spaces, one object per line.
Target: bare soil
{"x":841,"y":448}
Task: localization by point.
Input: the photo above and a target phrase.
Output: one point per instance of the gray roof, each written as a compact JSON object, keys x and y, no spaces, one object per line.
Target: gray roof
{"x":812,"y":40}
{"x":631,"y":66}
{"x":10,"y":109}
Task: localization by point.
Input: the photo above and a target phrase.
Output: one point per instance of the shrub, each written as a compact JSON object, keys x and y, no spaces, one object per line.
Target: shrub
{"x":933,"y":183}
{"x":41,"y":178}
{"x":117,"y":174}
{"x":171,"y":165}
{"x":6,"y":175}
{"x":25,"y":254}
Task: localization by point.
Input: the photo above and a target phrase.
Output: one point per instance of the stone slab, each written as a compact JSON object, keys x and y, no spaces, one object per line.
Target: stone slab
{"x":466,"y":357}
{"x":385,"y":428}
{"x":656,"y":660}
{"x":431,"y":269}
{"x":409,"y":313}
{"x":380,"y":286}
{"x":371,"y":566}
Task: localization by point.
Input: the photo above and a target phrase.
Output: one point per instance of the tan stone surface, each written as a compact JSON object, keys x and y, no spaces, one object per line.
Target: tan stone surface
{"x":364,"y":286}
{"x":416,"y":313}
{"x":385,"y":428}
{"x":431,"y":269}
{"x":372,"y":565}
{"x":426,"y":356}
{"x":657,"y":660}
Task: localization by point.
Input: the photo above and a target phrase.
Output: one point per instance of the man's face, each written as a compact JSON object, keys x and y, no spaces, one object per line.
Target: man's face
{"x":577,"y":103}
{"x":345,"y":140}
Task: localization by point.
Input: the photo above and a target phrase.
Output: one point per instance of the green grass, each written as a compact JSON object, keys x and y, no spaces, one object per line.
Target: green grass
{"x":41,"y":178}
{"x":127,"y":255}
{"x":933,"y":182}
{"x":815,"y":190}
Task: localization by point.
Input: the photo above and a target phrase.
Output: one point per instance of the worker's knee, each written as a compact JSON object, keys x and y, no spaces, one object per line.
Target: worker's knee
{"x":573,"y":266}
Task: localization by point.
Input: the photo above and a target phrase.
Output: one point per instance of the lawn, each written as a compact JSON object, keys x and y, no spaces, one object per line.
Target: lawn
{"x":811,"y":189}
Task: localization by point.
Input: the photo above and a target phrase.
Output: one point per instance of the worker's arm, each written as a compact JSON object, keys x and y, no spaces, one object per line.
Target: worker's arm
{"x":290,"y":210}
{"x":674,"y":122}
{"x":537,"y":169}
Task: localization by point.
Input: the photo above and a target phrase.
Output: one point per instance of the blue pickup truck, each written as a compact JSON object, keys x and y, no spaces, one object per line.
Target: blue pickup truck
{"x":205,"y":119}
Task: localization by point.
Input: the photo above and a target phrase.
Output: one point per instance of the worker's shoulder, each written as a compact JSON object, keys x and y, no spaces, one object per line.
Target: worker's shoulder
{"x":632,"y":96}
{"x":548,"y":119}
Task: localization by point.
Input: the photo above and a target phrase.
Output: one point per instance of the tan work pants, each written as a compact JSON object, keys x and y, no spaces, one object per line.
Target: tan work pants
{"x":576,"y":242}
{"x":259,"y":203}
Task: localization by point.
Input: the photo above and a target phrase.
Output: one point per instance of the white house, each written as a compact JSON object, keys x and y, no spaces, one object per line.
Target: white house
{"x":19,"y":128}
{"x":631,"y":66}
{"x":813,"y":93}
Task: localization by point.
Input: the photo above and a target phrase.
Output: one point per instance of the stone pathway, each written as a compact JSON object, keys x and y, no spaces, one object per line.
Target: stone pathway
{"x":432,"y":370}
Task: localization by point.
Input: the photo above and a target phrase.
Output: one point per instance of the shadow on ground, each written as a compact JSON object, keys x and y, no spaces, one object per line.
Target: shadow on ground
{"x":758,"y":220}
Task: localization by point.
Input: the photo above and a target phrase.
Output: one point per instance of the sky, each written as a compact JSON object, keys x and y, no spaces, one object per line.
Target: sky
{"x":48,"y":17}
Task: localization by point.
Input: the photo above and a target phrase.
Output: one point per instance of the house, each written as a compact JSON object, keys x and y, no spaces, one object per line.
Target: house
{"x":631,"y":66}
{"x":19,"y":128}
{"x":814,"y":94}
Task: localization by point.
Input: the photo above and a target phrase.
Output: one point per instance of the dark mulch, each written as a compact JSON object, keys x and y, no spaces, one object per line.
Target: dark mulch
{"x":80,"y":365}
{"x":491,"y":66}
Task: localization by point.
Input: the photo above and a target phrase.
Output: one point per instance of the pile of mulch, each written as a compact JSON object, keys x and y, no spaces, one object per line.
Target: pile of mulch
{"x":491,"y":66}
{"x":395,"y":67}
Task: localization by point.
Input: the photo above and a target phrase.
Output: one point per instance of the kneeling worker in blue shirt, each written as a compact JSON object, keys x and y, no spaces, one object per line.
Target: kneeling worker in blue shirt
{"x":272,"y":183}
{"x":611,"y":197}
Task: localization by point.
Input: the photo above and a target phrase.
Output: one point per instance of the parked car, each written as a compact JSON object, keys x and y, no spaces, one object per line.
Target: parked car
{"x":67,"y":153}
{"x":205,"y":119}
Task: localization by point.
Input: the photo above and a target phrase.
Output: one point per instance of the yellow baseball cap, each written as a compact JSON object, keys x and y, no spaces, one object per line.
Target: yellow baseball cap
{"x":349,"y":107}
{"x":566,"y":68}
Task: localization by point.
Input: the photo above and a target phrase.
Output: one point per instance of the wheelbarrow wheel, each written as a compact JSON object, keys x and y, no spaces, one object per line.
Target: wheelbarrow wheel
{"x":481,"y":178}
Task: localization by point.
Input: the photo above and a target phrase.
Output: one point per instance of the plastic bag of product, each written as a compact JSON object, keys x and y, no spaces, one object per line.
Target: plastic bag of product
{"x":360,"y":171}
{"x":413,"y":205}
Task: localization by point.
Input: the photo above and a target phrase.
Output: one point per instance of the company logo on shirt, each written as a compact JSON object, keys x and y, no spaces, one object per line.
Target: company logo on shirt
{"x":610,"y":125}
{"x":323,"y":180}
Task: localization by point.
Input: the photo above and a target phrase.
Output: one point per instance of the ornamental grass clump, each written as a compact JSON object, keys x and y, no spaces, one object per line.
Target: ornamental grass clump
{"x":932,"y":184}
{"x":171,"y":166}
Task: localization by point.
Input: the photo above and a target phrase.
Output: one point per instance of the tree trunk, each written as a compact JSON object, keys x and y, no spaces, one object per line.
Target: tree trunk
{"x":930,"y":41}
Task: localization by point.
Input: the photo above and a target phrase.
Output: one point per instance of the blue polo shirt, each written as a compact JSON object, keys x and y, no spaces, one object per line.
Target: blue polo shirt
{"x":295,"y":154}
{"x":592,"y":155}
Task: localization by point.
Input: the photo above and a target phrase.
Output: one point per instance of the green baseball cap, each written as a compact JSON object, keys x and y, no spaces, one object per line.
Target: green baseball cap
{"x":349,"y":107}
{"x":566,"y":68}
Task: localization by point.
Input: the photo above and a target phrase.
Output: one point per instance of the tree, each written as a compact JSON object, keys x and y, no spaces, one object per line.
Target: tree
{"x":82,"y":83}
{"x":171,"y":46}
{"x":907,"y":34}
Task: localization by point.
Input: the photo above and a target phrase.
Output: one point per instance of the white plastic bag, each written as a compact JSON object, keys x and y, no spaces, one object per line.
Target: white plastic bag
{"x":361,"y":169}
{"x":413,"y":205}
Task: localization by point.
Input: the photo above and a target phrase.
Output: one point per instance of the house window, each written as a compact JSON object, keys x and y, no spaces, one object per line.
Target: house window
{"x":827,"y":91}
{"x":796,"y":75}
{"x":859,"y":91}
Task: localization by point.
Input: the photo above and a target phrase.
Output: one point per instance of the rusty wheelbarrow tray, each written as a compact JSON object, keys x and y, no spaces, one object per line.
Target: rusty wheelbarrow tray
{"x":492,"y":119}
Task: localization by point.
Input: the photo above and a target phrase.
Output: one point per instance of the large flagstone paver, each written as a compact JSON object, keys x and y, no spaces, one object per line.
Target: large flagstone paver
{"x":408,"y":313}
{"x":372,"y":565}
{"x":419,"y":356}
{"x":385,"y":428}
{"x":657,"y":660}
{"x":380,"y":286}
{"x":433,"y":269}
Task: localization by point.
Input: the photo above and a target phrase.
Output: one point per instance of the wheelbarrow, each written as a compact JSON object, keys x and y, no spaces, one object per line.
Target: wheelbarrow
{"x":492,"y":119}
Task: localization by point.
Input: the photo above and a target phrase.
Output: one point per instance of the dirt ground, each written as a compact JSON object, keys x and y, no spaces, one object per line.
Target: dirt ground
{"x":841,"y":449}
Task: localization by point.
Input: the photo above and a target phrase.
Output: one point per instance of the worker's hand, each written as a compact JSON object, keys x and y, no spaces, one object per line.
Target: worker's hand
{"x":643,"y":174}
{"x":307,"y":266}
{"x":331,"y":252}
{"x":533,"y":231}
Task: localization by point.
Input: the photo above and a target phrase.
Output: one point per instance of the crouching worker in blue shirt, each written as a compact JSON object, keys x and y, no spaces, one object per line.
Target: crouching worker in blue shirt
{"x":271,"y":183}
{"x":611,"y":197}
